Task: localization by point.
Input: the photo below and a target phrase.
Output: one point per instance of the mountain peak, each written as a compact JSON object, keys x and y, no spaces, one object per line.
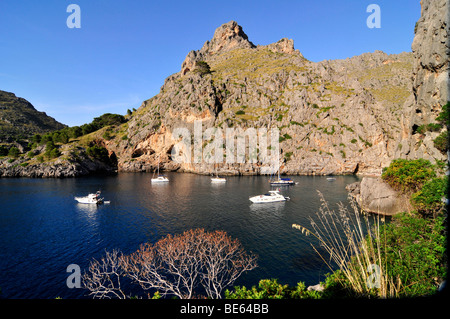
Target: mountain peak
{"x":228,"y":36}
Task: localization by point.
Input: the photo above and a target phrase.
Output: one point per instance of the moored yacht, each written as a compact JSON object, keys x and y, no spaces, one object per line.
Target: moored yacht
{"x":281,"y":181}
{"x":218,"y":179}
{"x":159,"y":178}
{"x":270,"y":197}
{"x":90,"y":199}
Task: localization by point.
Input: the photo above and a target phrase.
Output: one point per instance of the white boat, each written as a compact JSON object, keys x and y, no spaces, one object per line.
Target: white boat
{"x":330,"y":179}
{"x":90,"y":199}
{"x":270,"y":197}
{"x":159,"y":178}
{"x":281,"y":181}
{"x":218,"y":179}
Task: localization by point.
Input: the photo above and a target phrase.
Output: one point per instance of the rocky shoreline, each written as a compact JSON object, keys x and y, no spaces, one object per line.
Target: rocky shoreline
{"x":60,"y":168}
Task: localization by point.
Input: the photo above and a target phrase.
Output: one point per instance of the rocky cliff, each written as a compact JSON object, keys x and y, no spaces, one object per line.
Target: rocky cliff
{"x":19,"y":118}
{"x":334,"y":117}
{"x":430,"y":81}
{"x":430,"y":91}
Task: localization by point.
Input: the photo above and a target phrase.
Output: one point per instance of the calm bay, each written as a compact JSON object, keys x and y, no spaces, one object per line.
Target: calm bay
{"x":43,"y":229}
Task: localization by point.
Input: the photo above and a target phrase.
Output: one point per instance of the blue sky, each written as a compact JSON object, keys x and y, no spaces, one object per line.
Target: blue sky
{"x":125,"y":49}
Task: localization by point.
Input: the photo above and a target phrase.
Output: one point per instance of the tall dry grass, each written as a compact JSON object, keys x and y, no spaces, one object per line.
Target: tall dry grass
{"x":353,"y":241}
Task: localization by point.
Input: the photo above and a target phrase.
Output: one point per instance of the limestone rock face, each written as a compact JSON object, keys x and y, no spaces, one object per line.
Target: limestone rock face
{"x":333,"y":117}
{"x":84,"y":165}
{"x":285,"y":45}
{"x":375,"y":196}
{"x":227,"y":37}
{"x":430,"y":86}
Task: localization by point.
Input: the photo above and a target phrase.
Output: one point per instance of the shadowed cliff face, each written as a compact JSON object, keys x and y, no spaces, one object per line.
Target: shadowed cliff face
{"x":334,"y":117}
{"x":430,"y":76}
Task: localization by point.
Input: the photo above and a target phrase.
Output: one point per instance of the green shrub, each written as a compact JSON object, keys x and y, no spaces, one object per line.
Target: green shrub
{"x":107,"y":135}
{"x":271,"y":289}
{"x":444,"y":117}
{"x":14,"y":152}
{"x":98,"y":122}
{"x":98,"y":152}
{"x":415,"y":252}
{"x":51,"y":151}
{"x":54,"y":153}
{"x":288,"y":155}
{"x":408,"y":175}
{"x":240,"y":112}
{"x":431,"y":127}
{"x":36,"y":138}
{"x":441,"y":142}
{"x":202,"y":68}
{"x":428,"y":200}
{"x":60,"y":137}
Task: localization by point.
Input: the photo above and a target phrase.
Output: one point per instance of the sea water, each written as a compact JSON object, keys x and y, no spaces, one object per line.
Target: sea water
{"x":43,"y":229}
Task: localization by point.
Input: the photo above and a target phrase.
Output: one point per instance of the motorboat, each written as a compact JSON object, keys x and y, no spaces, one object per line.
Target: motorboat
{"x":330,"y":179}
{"x":270,"y":197}
{"x":90,"y":199}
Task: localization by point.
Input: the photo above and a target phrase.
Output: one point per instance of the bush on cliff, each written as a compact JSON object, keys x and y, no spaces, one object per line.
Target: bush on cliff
{"x":408,"y":175}
{"x":418,"y":178}
{"x":14,"y":152}
{"x":98,"y":152}
{"x":429,"y":199}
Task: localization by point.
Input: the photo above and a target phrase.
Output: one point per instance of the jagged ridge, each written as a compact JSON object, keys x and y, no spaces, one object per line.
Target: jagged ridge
{"x":335,"y":117}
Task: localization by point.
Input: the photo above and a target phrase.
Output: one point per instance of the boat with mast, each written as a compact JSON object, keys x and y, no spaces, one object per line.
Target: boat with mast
{"x":217,"y":178}
{"x":159,"y":178}
{"x":281,"y":181}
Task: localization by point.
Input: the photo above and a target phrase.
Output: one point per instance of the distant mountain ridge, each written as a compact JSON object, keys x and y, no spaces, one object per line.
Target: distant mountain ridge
{"x":18,"y":117}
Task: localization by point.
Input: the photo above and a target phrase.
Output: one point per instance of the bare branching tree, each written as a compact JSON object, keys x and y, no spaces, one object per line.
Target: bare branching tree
{"x":223,"y":261}
{"x":177,"y":265}
{"x":104,"y":278}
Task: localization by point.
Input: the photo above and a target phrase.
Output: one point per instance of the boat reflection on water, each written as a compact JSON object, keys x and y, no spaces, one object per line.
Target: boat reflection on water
{"x":273,"y":207}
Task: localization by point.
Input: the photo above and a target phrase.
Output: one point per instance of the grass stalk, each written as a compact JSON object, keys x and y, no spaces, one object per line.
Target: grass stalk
{"x":354,"y":244}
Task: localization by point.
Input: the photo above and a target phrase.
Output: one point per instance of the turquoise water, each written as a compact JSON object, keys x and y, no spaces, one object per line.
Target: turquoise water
{"x":43,"y":229}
